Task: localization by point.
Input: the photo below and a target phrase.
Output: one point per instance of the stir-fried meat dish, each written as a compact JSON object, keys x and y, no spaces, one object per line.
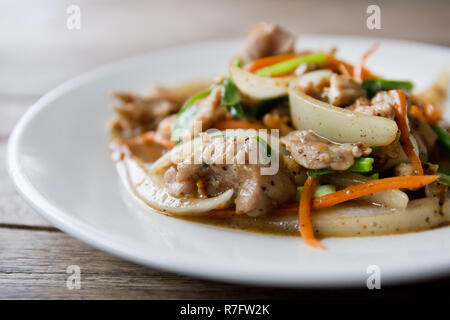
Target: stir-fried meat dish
{"x":291,"y":133}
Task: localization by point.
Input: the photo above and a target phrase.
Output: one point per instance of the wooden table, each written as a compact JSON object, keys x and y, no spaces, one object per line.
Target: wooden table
{"x":37,"y":52}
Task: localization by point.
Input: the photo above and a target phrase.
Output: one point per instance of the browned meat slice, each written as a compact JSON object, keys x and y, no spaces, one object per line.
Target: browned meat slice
{"x":165,"y":127}
{"x":254,"y":194}
{"x":266,"y":39}
{"x":178,"y":182}
{"x":209,"y":111}
{"x":344,"y":91}
{"x":314,"y":152}
{"x":140,"y":114}
{"x":389,"y":156}
{"x":436,"y":189}
{"x":380,"y":105}
{"x":404,"y":169}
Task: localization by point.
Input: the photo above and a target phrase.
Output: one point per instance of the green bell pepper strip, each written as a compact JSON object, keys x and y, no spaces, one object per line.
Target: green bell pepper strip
{"x":373,"y":86}
{"x":290,"y":65}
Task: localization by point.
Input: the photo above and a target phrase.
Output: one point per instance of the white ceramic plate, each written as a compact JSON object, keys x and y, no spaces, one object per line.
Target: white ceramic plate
{"x":59,"y":161}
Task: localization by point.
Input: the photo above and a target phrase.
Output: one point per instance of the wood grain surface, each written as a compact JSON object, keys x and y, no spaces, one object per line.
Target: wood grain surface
{"x":37,"y":52}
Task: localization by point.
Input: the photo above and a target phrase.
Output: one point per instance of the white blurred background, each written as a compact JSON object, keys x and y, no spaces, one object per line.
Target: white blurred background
{"x":37,"y":51}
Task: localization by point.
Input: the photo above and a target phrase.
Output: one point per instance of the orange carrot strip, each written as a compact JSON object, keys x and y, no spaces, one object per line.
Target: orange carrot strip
{"x":267,"y":61}
{"x":358,"y":74}
{"x":344,"y":70}
{"x":418,"y":113}
{"x":234,"y":124}
{"x":364,"y":189}
{"x":401,"y":117}
{"x":151,"y":136}
{"x":335,"y":65}
{"x":432,"y":115}
{"x":304,"y":214}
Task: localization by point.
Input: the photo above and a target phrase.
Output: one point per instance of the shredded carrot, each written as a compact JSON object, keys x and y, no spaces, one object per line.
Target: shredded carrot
{"x":432,"y":114}
{"x":428,"y":114}
{"x":344,"y":70}
{"x":335,"y":65}
{"x":358,"y":74}
{"x":151,"y":136}
{"x":304,"y":214}
{"x":417,"y":113}
{"x":401,"y":117}
{"x":274,"y":121}
{"x":267,"y":61}
{"x":235,"y":124}
{"x":364,"y":189}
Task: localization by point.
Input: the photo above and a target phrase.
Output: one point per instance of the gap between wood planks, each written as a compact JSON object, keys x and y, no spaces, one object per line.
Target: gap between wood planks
{"x":25,"y":227}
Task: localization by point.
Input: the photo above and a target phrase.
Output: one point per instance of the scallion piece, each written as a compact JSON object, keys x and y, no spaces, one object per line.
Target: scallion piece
{"x":444,"y":177}
{"x":186,"y":115}
{"x":320,"y":190}
{"x":231,"y":99}
{"x":290,"y":65}
{"x":361,"y":165}
{"x":373,"y":86}
{"x":443,"y":136}
{"x":374,"y":176}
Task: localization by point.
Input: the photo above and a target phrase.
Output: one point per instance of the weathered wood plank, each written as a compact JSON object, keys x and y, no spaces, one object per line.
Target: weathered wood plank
{"x":39,"y":52}
{"x":33,"y":265}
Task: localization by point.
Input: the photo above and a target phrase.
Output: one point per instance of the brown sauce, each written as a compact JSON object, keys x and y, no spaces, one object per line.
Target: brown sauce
{"x":283,"y":225}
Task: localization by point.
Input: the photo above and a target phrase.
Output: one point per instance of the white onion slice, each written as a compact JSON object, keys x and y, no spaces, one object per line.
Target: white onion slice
{"x":255,"y":87}
{"x":150,"y":188}
{"x":334,"y":123}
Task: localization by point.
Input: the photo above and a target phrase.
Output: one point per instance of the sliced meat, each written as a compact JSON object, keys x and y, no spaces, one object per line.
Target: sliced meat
{"x":165,"y":127}
{"x":140,"y":114}
{"x":380,"y":105}
{"x":404,"y":169}
{"x":254,"y":194}
{"x":344,"y":91}
{"x":436,"y":189}
{"x":210,"y":110}
{"x":389,"y":156}
{"x":266,"y":39}
{"x":314,"y":152}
